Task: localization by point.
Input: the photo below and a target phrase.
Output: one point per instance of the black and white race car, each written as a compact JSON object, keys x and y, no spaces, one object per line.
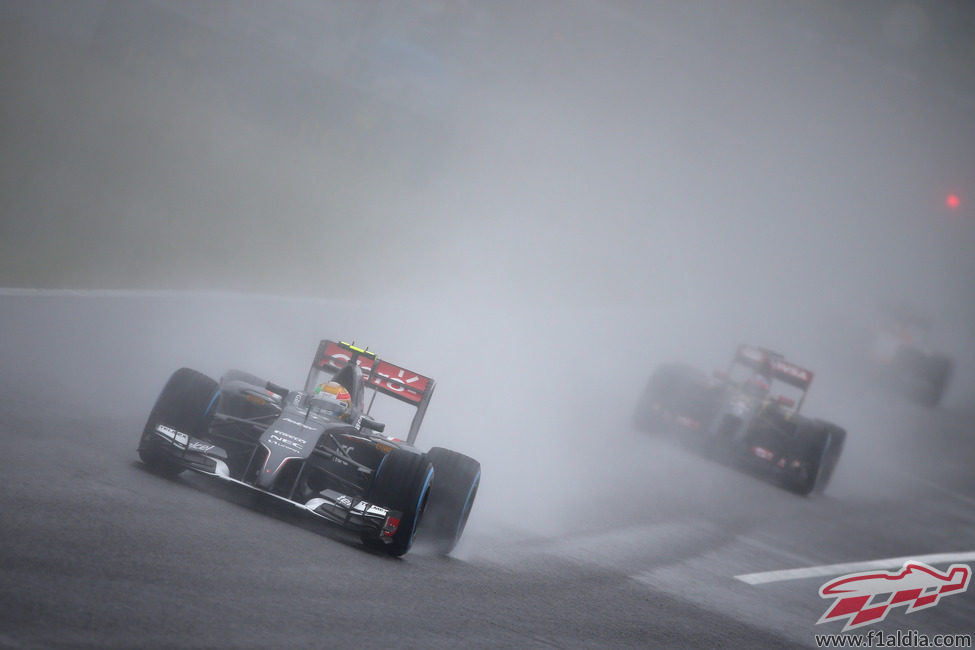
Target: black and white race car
{"x":748,"y":415}
{"x":319,"y":451}
{"x":901,"y":358}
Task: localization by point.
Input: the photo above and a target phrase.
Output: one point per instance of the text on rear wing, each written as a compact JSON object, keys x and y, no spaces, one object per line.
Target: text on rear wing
{"x":387,"y":377}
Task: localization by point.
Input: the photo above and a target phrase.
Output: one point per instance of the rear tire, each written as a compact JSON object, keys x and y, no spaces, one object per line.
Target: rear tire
{"x":830,"y":457}
{"x":401,"y":482}
{"x":456,"y":479}
{"x":674,"y":389}
{"x":937,"y":371}
{"x":186,"y":405}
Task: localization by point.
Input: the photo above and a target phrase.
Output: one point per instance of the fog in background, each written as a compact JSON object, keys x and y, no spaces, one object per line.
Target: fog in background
{"x":533,"y":203}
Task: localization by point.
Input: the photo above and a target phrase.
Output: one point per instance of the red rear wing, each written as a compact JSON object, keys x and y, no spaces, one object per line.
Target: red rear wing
{"x":387,"y":378}
{"x":782,"y":370}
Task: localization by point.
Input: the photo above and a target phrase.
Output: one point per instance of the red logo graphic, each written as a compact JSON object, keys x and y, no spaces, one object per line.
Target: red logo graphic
{"x":865,"y":598}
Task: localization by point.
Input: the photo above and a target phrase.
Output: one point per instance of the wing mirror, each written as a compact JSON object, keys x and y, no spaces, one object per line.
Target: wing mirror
{"x":369,"y":423}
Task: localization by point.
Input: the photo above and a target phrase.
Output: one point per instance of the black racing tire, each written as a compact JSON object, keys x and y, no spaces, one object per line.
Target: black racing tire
{"x":817,"y":449}
{"x":674,"y":388}
{"x":455,"y":483}
{"x":937,"y":372}
{"x":831,"y":457}
{"x":185,"y":404}
{"x":646,"y":417}
{"x":401,"y":482}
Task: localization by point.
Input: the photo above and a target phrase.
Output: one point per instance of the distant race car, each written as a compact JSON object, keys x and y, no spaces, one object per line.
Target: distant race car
{"x":902,"y":360}
{"x":318,"y":449}
{"x":747,"y":415}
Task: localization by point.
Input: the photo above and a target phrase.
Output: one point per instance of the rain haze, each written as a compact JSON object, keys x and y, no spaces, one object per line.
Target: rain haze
{"x":535,"y":203}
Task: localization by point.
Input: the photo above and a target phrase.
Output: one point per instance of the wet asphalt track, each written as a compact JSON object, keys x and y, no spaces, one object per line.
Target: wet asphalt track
{"x":98,"y":552}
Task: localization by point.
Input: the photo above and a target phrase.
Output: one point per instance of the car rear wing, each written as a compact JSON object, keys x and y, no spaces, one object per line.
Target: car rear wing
{"x":780,"y":369}
{"x":383,"y":377}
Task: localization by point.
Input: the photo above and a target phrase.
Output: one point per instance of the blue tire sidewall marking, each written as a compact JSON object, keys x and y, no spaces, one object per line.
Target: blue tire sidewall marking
{"x":213,"y":401}
{"x":419,"y":502}
{"x":375,"y":475}
{"x":467,"y":503}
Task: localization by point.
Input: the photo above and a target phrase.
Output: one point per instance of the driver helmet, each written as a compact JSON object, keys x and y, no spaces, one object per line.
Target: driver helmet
{"x":757,"y":385}
{"x":335,"y":390}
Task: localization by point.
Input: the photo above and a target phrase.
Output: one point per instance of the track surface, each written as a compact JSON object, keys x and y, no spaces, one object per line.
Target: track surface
{"x":98,"y":552}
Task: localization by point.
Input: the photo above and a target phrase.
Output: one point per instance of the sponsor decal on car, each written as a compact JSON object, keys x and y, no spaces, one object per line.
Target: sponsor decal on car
{"x":254,"y":399}
{"x":166,"y":431}
{"x":344,"y":501}
{"x":178,"y":438}
{"x":399,"y":380}
{"x":403,"y":383}
{"x":793,"y":371}
{"x":286,"y":440}
{"x":201,"y":446}
{"x":300,"y":424}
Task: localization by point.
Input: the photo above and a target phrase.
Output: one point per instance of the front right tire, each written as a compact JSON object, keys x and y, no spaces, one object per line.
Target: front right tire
{"x":937,"y":371}
{"x":186,"y":405}
{"x":674,"y":388}
{"x":817,"y":450}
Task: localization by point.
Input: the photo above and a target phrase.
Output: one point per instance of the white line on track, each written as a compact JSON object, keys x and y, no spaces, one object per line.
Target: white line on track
{"x":163,"y":293}
{"x":945,"y":491}
{"x":101,"y":293}
{"x":852,"y":567}
{"x":117,"y":293}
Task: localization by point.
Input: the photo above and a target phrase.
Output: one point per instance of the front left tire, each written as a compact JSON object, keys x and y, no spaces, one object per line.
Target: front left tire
{"x":455,"y":484}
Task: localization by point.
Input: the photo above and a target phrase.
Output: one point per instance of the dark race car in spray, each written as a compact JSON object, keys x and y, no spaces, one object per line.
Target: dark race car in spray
{"x":747,"y":415}
{"x":321,"y":454}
